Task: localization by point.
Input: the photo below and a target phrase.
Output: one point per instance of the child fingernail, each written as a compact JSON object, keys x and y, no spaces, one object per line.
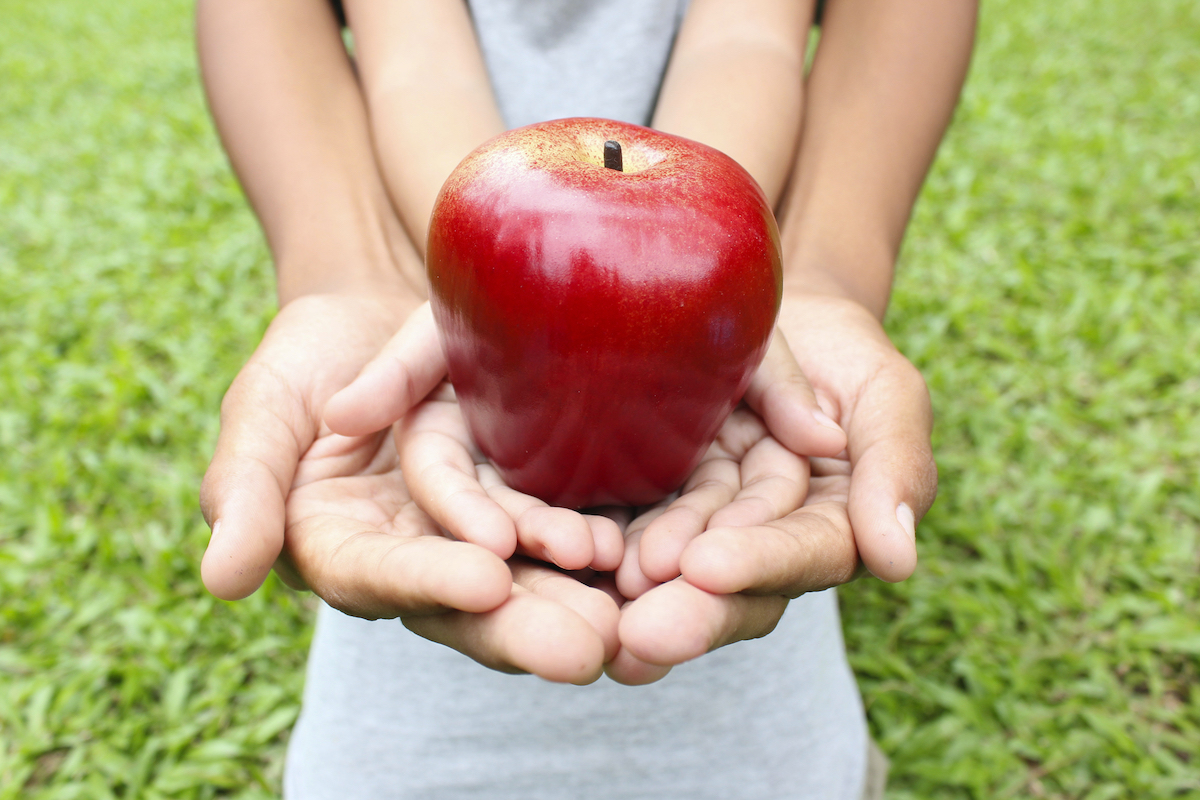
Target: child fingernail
{"x":904,"y":515}
{"x":825,"y":420}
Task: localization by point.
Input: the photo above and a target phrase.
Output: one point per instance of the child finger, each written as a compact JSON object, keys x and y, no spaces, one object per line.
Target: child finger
{"x":441,"y":478}
{"x":774,"y":483}
{"x":406,"y":370}
{"x":631,"y":581}
{"x":783,"y":397}
{"x":608,"y":543}
{"x":557,"y":535}
{"x":711,"y":487}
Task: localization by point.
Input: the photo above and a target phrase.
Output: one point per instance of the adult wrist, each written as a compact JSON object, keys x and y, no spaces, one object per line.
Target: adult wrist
{"x":383,"y":261}
{"x":353,"y":244}
{"x":349,"y":276}
{"x":860,"y":273}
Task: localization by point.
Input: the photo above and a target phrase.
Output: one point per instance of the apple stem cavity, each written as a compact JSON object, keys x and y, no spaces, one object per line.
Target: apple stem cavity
{"x":612,"y":155}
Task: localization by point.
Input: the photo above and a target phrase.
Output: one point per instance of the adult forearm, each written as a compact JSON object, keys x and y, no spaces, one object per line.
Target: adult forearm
{"x":429,"y":94}
{"x":291,"y":115}
{"x":735,"y":82}
{"x":884,"y":84}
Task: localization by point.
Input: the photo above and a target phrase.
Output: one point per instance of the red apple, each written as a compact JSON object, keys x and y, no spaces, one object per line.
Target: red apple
{"x":600,"y":323}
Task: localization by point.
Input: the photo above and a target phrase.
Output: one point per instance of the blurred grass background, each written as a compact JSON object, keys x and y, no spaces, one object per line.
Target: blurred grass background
{"x":1048,"y":646}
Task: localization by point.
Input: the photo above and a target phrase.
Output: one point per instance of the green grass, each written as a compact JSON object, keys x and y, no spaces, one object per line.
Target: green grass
{"x":1050,"y":292}
{"x":133,"y":283}
{"x":1049,"y":644}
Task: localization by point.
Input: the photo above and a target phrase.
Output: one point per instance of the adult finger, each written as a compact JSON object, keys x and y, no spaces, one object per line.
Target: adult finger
{"x":263,"y":434}
{"x":375,"y":575}
{"x":810,"y":549}
{"x":623,"y":666}
{"x":527,"y":633}
{"x":405,"y":371}
{"x":677,"y":622}
{"x":594,"y":605}
{"x":783,"y":397}
{"x":628,"y":669}
{"x":894,"y":477}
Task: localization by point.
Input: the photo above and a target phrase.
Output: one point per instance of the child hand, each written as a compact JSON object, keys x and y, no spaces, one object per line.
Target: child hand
{"x":861,"y":509}
{"x":332,"y":513}
{"x":447,"y":475}
{"x":747,"y":477}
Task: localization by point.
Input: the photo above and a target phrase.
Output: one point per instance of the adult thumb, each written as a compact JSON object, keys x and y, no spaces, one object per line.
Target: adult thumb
{"x":245,"y":488}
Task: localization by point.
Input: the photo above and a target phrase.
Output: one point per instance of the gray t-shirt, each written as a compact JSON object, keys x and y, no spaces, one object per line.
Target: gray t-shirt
{"x":387,"y":714}
{"x":550,"y":59}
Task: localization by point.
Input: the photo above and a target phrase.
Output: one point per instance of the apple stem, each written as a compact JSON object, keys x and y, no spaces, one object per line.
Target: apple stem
{"x":612,"y":155}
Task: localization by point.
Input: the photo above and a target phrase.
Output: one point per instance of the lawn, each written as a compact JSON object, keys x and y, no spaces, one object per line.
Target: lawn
{"x":1049,"y":644}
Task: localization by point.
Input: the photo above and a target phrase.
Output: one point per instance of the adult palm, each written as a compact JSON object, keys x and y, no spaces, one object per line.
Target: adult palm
{"x":332,"y":513}
{"x":862,"y":505}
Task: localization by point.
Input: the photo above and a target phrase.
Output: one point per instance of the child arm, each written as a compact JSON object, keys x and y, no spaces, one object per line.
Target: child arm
{"x":430,"y":97}
{"x":735,"y":82}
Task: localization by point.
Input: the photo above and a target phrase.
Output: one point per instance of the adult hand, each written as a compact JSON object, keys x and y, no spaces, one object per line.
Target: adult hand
{"x":735,"y":582}
{"x":747,"y":477}
{"x":332,"y":512}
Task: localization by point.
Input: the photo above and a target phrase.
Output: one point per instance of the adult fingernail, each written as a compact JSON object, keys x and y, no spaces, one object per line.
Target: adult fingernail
{"x":904,"y":515}
{"x":216,"y":542}
{"x":825,"y":420}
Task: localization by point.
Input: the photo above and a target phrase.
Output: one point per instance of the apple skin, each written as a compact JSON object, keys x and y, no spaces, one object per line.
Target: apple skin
{"x":600,"y":325}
